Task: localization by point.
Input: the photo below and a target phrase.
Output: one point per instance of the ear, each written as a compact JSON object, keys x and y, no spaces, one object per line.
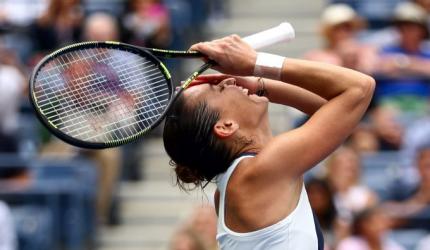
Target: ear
{"x":225,"y":128}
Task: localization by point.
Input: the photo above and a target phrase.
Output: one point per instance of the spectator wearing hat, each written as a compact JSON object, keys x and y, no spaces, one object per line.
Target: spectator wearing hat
{"x":403,"y":75}
{"x":339,"y":27}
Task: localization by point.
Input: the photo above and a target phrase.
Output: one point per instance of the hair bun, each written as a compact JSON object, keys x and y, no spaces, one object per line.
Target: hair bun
{"x":186,"y":175}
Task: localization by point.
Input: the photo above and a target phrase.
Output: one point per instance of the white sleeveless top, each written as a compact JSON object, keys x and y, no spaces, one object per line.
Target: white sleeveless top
{"x":298,"y":231}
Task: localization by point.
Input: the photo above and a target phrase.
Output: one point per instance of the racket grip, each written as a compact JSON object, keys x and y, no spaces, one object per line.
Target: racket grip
{"x":284,"y":32}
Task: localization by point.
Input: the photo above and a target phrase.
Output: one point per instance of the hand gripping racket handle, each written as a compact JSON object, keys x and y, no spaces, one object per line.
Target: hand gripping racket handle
{"x":284,"y":32}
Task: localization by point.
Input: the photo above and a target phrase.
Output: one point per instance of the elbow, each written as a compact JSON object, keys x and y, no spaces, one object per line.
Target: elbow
{"x":365,"y":88}
{"x":369,"y":86}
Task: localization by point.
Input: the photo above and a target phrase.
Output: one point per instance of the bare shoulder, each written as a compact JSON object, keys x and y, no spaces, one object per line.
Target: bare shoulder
{"x":253,"y":177}
{"x":253,"y":202}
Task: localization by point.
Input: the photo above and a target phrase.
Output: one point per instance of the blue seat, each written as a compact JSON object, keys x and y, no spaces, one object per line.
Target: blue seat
{"x":407,"y":237}
{"x":113,"y":7}
{"x":379,"y":170}
{"x":28,"y":135}
{"x":34,"y":227}
{"x":68,"y":189}
{"x":79,"y":179}
{"x":14,"y":160}
{"x":47,"y":199}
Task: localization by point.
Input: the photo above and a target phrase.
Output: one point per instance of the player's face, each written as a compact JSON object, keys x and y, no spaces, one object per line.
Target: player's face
{"x":233,"y":102}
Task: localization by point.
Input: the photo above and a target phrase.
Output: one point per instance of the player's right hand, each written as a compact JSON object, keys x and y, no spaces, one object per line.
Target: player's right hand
{"x":232,"y":55}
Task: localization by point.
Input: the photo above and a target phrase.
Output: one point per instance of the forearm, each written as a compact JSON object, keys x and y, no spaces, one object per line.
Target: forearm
{"x":325,"y":80}
{"x":419,"y":67}
{"x":290,"y":95}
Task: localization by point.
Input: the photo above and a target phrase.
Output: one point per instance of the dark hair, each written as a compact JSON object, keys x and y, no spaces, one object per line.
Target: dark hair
{"x":326,"y":218}
{"x":361,"y":218}
{"x":197,"y":154}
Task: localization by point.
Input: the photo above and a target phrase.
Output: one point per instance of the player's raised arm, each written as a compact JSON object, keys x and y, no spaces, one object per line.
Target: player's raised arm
{"x":348,"y":94}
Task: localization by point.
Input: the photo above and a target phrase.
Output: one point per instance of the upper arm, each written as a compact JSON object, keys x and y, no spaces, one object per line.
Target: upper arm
{"x":293,"y":153}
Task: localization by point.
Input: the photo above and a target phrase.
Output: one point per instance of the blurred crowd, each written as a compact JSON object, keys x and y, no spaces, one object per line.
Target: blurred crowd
{"x":52,"y":195}
{"x":371,"y":194}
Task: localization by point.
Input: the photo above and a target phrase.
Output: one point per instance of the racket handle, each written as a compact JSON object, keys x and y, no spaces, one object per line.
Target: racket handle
{"x":284,"y":32}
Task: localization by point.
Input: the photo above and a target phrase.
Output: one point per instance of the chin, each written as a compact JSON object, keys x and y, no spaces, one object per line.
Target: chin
{"x":257,"y":98}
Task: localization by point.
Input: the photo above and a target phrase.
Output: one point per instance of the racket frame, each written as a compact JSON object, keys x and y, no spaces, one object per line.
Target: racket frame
{"x":149,"y":53}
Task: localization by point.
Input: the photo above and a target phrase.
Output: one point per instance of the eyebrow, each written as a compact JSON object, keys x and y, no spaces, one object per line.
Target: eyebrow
{"x":213,"y":87}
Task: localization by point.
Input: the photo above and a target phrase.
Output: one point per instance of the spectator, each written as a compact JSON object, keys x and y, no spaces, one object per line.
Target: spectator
{"x":58,"y":26}
{"x":369,"y":229}
{"x":343,"y":176}
{"x":15,"y":17}
{"x":416,"y":135}
{"x":20,"y":13}
{"x":198,"y":232}
{"x":364,"y":139}
{"x":101,"y":27}
{"x":98,"y":26}
{"x":12,"y":84}
{"x":147,"y":23}
{"x":8,"y":239}
{"x":403,"y":68}
{"x":186,"y":239}
{"x":418,"y":202}
{"x":387,"y":127}
{"x":322,"y":202}
{"x":204,"y":221}
{"x":339,"y":27}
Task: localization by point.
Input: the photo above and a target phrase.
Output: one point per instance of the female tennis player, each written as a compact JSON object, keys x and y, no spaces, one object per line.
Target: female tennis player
{"x":220,"y":132}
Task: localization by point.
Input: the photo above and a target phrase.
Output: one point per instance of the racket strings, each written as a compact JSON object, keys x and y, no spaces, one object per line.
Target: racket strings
{"x":101,"y":95}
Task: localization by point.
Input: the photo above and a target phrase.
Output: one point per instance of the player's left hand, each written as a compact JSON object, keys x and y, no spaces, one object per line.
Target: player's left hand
{"x":250,"y":83}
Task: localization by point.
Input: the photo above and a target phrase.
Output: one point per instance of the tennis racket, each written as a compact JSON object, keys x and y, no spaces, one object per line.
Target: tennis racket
{"x":105,"y":94}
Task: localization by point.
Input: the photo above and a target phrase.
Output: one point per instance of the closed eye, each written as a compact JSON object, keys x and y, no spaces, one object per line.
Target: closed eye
{"x":221,"y":87}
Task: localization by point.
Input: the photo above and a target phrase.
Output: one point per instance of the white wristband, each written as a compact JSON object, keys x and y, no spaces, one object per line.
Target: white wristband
{"x":268,"y":66}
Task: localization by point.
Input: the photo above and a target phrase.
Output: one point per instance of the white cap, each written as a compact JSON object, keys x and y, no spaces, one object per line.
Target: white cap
{"x":338,"y":13}
{"x":410,"y":12}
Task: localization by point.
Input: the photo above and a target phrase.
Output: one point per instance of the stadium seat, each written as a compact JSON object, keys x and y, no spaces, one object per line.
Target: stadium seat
{"x":407,"y":237}
{"x":67,"y":188}
{"x":379,"y":170}
{"x":34,"y":227}
{"x":80,"y":177}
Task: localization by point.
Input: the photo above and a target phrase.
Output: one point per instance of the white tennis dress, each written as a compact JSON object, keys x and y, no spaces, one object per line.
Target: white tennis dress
{"x":298,"y":231}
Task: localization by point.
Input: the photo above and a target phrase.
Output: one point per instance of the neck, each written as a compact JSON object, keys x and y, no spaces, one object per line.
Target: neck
{"x":255,"y":141}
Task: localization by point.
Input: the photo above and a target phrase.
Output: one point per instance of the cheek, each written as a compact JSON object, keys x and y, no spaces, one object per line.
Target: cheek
{"x":413,"y":32}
